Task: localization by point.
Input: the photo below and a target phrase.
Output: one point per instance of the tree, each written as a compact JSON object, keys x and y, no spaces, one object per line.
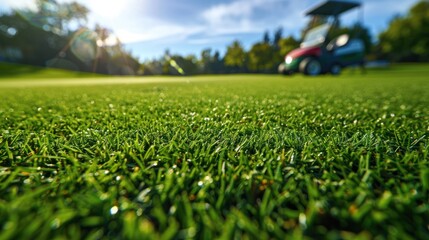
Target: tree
{"x":79,"y":13}
{"x":217,"y":63}
{"x":31,"y":44}
{"x":278,"y":34}
{"x":153,"y":67}
{"x":235,"y":57}
{"x":187,"y":65}
{"x":266,"y":38}
{"x":286,"y":45}
{"x":261,"y":57}
{"x":406,"y":38}
{"x":57,"y":17}
{"x":206,"y":60}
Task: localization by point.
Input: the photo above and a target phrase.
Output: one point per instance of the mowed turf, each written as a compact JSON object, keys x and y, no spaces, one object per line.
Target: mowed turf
{"x":230,"y":157}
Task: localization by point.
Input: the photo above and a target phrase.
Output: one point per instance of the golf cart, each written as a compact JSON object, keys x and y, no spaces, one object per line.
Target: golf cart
{"x":321,"y":52}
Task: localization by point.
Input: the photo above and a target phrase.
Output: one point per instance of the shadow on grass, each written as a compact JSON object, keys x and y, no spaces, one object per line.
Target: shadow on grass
{"x":12,"y":70}
{"x":15,"y":70}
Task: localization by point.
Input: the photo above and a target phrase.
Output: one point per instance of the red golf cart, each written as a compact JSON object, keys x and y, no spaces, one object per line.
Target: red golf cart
{"x":321,"y":52}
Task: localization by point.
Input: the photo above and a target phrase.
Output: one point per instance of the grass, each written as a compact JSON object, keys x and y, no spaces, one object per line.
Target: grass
{"x":20,"y":71}
{"x":243,"y":157}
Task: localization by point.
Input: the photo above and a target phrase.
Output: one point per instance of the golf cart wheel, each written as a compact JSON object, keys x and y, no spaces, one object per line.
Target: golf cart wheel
{"x":311,"y":67}
{"x":282,"y":69}
{"x":335,"y":69}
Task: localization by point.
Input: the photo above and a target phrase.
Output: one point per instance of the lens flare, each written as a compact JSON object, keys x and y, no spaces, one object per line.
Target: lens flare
{"x":84,"y":46}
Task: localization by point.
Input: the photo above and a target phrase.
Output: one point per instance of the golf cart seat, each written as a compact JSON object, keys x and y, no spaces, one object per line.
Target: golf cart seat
{"x":338,"y":42}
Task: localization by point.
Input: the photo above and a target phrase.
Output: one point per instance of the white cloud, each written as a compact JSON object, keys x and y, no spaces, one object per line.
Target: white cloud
{"x":234,"y":17}
{"x":156,"y":31}
{"x":241,"y":16}
{"x":224,"y":12}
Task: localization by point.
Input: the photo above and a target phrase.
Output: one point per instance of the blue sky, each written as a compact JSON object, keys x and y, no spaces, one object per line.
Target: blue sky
{"x":148,"y":27}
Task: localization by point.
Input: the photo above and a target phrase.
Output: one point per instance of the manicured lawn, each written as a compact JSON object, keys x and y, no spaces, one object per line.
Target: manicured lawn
{"x":240,"y":156}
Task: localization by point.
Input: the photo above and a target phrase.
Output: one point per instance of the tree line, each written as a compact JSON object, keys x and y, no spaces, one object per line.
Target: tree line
{"x":263,"y":57}
{"x":57,"y":35}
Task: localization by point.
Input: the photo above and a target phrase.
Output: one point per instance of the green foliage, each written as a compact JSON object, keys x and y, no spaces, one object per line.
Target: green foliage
{"x":57,"y":17}
{"x":278,"y":35}
{"x":286,"y":45}
{"x":261,"y":58}
{"x":189,"y":64}
{"x":229,"y":157}
{"x":211,"y":63}
{"x":236,"y":56}
{"x":407,"y":37}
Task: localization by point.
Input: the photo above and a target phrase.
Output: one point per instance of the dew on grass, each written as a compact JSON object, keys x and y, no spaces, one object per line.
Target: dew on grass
{"x":208,"y":179}
{"x":139,"y":212}
{"x":201,"y":154}
{"x":292,"y":159}
{"x":172,"y":210}
{"x":237,"y":149}
{"x":114,"y":210}
{"x":55,"y":223}
{"x":302,"y":220}
{"x":143,"y":195}
{"x":49,"y":180}
{"x":104,"y":196}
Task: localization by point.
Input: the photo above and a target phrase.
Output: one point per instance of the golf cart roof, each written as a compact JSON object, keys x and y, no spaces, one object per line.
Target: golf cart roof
{"x":332,"y":8}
